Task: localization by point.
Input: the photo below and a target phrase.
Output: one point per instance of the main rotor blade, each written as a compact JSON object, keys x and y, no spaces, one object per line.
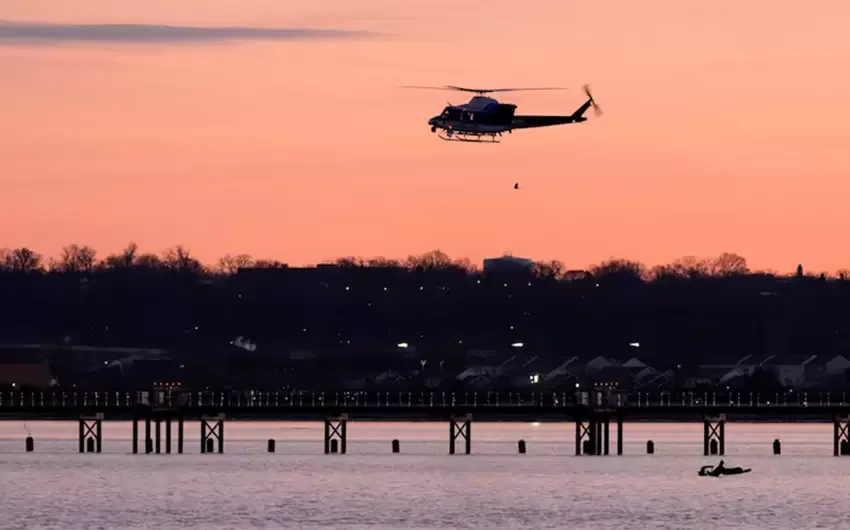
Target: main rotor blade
{"x":483,"y":90}
{"x":480,"y":90}
{"x":427,"y":87}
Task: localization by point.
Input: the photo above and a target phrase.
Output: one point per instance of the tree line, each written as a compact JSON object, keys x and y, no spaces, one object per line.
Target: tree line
{"x":76,"y":258}
{"x":689,"y":312}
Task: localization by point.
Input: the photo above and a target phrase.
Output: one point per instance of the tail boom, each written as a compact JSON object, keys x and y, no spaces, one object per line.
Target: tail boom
{"x":526,"y":122}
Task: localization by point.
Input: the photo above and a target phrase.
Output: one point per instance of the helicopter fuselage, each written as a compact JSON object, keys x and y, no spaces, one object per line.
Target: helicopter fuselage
{"x":486,"y":117}
{"x":467,"y":126}
{"x":481,"y":115}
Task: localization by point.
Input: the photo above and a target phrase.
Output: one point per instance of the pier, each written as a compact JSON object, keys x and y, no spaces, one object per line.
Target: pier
{"x":592,"y":412}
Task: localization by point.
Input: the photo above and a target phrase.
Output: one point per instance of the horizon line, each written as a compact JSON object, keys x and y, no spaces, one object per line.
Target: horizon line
{"x":685,"y":264}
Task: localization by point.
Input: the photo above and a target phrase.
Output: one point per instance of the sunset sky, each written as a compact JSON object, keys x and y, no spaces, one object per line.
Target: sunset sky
{"x":726,"y":128}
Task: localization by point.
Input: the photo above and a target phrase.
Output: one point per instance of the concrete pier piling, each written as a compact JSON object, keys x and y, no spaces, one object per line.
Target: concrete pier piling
{"x":714,"y":435}
{"x":336,"y":434}
{"x":157,"y":442}
{"x":460,"y":428}
{"x":135,"y":435}
{"x":619,"y":435}
{"x":168,"y":435}
{"x":91,"y":433}
{"x":593,"y":436}
{"x":841,"y":436}
{"x":212,"y":430}
{"x":148,"y":439}
{"x":180,"y":434}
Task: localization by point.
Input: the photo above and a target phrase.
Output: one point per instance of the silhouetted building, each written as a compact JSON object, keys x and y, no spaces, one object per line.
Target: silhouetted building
{"x":508,"y":264}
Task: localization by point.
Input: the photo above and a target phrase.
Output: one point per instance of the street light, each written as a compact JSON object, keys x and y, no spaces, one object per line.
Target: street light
{"x":402,"y":345}
{"x":517,"y":345}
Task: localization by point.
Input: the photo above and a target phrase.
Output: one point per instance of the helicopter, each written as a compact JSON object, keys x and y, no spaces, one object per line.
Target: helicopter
{"x":484,"y":119}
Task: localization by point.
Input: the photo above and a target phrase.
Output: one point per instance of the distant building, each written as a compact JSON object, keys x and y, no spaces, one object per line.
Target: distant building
{"x":574,"y":275}
{"x":507,"y":264}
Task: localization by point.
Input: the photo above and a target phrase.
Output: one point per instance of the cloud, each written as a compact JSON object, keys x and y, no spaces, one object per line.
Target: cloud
{"x":48,"y":32}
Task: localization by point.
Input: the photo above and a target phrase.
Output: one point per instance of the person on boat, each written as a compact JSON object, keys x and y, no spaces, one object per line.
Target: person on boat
{"x":718,"y":470}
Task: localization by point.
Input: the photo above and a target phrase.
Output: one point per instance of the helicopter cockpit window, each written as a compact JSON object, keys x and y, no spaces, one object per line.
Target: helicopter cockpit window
{"x":451,"y":114}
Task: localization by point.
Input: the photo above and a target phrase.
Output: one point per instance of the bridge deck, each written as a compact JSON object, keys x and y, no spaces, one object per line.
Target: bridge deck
{"x":401,"y":406}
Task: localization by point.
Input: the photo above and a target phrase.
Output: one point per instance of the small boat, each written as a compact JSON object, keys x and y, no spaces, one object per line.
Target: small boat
{"x":708,"y":471}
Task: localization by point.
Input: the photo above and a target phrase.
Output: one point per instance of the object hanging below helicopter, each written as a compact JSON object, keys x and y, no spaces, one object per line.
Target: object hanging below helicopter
{"x":484,"y":119}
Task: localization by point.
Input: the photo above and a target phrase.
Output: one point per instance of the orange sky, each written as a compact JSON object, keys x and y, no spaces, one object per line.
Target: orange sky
{"x":726,"y":128}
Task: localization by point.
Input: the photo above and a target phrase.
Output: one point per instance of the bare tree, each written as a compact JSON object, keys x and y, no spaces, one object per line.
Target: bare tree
{"x":75,"y":258}
{"x":124,"y":260}
{"x":843,"y":274}
{"x":269,"y":264}
{"x":691,"y":267}
{"x":179,"y":260}
{"x":688,"y":267}
{"x":435,"y":259}
{"x":729,"y":264}
{"x":54,"y":265}
{"x":23,"y":260}
{"x":548,"y":269}
{"x":383,"y":263}
{"x":349,"y":262}
{"x":148,"y":261}
{"x":230,"y":264}
{"x":663,"y":272}
{"x":465,"y":264}
{"x":619,"y":268}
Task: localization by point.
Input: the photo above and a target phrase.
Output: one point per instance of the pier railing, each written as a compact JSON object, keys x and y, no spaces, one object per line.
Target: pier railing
{"x":185,"y":399}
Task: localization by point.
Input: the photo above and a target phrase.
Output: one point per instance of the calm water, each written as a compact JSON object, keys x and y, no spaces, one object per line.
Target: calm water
{"x":423,"y":487}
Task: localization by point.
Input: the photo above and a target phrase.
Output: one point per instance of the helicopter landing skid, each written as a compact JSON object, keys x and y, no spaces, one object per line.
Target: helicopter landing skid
{"x":470,"y":137}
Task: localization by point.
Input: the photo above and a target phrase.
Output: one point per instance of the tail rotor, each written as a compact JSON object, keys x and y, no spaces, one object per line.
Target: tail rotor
{"x":596,"y":109}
